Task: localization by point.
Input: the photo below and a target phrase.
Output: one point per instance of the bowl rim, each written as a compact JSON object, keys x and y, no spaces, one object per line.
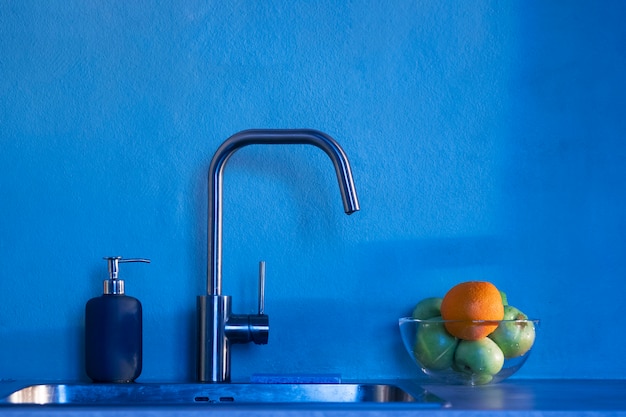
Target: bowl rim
{"x":438,"y":320}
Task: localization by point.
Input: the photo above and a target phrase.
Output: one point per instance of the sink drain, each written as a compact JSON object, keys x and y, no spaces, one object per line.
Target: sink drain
{"x":205,"y":399}
{"x":202,"y":399}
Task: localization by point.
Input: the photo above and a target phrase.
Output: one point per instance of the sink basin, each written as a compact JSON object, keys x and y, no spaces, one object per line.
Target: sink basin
{"x":150,"y":394}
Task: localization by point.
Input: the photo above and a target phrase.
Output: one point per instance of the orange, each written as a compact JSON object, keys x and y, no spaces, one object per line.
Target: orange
{"x":469,"y":302}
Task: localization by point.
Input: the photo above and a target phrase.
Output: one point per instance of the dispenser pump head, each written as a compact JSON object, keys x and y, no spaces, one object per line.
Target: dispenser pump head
{"x":114,"y":285}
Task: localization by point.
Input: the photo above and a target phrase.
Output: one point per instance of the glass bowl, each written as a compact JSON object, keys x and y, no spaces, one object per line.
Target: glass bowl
{"x":448,"y":359}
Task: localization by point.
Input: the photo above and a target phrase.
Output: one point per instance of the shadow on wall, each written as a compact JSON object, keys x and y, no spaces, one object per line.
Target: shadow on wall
{"x":389,"y":278}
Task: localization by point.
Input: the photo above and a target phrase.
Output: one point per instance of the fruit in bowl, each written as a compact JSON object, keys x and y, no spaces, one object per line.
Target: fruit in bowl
{"x":433,"y":346}
{"x":516,"y":335}
{"x":470,"y":336}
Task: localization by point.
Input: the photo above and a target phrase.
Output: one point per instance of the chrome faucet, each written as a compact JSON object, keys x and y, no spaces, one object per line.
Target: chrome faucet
{"x":218,"y":327}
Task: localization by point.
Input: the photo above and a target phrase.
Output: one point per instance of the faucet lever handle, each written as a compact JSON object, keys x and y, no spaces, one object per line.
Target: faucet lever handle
{"x":261,"y":287}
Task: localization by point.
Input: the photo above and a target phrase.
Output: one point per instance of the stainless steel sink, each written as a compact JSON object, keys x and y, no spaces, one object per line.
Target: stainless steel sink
{"x":150,"y":394}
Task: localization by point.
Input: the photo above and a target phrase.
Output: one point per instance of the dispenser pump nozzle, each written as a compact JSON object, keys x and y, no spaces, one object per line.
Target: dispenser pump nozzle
{"x":114,"y":285}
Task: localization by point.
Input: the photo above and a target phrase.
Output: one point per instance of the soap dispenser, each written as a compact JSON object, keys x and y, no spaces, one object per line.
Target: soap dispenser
{"x":113,"y":330}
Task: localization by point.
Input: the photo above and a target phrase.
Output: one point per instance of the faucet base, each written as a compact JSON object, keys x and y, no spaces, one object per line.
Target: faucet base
{"x":213,"y":356}
{"x":217,"y":329}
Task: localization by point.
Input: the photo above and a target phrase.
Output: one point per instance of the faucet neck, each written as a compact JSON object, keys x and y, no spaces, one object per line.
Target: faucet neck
{"x":266,"y":137}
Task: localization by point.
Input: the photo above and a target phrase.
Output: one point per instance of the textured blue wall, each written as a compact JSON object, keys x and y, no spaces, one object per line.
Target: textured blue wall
{"x":486,"y":138}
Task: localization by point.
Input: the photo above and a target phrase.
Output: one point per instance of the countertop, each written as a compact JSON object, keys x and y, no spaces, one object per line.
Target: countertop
{"x":515,"y":397}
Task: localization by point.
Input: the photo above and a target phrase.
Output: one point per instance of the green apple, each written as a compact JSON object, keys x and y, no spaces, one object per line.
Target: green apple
{"x":434,"y":346}
{"x":427,"y":308}
{"x":513,"y":337}
{"x":478,"y":357}
{"x":505,"y":300}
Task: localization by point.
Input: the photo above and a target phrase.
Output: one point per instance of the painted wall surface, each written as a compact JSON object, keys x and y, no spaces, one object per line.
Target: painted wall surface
{"x":487,"y":141}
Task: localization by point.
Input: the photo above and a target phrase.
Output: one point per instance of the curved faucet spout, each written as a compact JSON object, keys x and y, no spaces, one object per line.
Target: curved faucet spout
{"x":218,"y":327}
{"x":266,"y":137}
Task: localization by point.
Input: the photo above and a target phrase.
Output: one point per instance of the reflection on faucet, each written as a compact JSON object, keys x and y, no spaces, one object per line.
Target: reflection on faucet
{"x":218,"y":327}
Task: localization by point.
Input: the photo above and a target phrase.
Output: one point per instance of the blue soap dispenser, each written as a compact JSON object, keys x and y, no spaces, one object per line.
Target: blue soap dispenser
{"x":113,"y":330}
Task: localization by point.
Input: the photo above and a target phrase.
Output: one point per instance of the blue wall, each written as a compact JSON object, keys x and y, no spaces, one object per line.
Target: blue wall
{"x":486,"y":138}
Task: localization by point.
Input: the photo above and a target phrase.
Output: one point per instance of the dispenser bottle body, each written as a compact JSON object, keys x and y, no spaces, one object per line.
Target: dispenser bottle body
{"x":113,"y":338}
